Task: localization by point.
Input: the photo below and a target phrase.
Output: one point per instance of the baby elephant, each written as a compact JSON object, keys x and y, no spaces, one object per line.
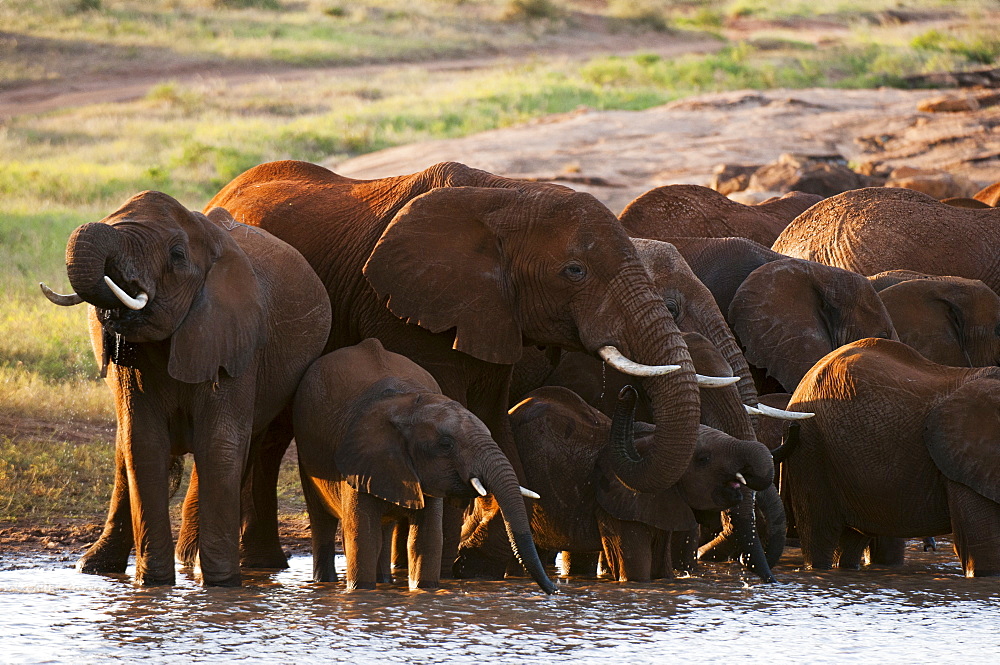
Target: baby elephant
{"x":377,"y":442}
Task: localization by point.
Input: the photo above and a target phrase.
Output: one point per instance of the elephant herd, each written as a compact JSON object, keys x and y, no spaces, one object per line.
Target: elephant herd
{"x":479,"y":372}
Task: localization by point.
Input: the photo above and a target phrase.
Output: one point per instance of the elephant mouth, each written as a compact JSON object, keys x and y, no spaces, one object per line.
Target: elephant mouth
{"x":729,"y":495}
{"x":121,"y":320}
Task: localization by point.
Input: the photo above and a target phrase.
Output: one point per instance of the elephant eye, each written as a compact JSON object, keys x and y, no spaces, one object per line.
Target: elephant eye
{"x":673,"y":308}
{"x":177,"y":255}
{"x":574,"y":271}
{"x":446,"y":444}
{"x":702,"y":459}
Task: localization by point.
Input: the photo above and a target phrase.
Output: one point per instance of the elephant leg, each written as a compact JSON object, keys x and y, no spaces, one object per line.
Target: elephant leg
{"x":425,"y":545}
{"x":323,"y":529}
{"x":718,"y":541}
{"x":260,"y":546}
{"x":147,"y":459}
{"x":684,"y":551}
{"x":480,"y":557}
{"x":820,"y":527}
{"x":452,"y":521}
{"x":852,"y":548}
{"x":975,"y":522}
{"x":606,"y":566}
{"x":110,"y":553}
{"x":383,"y":573}
{"x":186,"y":551}
{"x":400,"y":536}
{"x":630,"y":543}
{"x":663,"y":565}
{"x":580,"y":563}
{"x":888,"y":551}
{"x":362,"y":530}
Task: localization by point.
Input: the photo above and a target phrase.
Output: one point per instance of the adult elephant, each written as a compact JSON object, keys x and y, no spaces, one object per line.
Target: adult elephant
{"x":377,"y":442}
{"x":789,"y":313}
{"x":900,"y":447}
{"x":203,"y":328}
{"x":990,"y":195}
{"x":565,"y":445}
{"x":875,"y":229}
{"x":949,"y":320}
{"x":458,"y":269}
{"x":694,"y":211}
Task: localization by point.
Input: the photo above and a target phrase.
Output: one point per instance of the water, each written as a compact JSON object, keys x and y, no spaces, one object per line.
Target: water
{"x":926,"y":611}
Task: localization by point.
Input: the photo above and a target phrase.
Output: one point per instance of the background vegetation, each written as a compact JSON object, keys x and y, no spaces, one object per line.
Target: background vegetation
{"x":188,"y":137}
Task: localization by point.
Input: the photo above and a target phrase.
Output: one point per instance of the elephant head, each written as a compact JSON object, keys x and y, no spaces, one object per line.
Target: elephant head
{"x":395,"y":436}
{"x":694,"y":211}
{"x":949,"y":320}
{"x":545,"y":266}
{"x":156,"y":270}
{"x":789,"y":313}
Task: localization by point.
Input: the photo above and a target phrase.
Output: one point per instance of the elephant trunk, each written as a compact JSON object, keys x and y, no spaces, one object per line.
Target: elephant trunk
{"x":739,"y":533}
{"x":88,"y":253}
{"x":501,"y":481}
{"x":653,"y":339}
{"x":722,"y":337}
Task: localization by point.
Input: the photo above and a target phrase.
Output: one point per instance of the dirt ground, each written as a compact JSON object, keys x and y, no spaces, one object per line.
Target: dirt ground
{"x":616,"y":155}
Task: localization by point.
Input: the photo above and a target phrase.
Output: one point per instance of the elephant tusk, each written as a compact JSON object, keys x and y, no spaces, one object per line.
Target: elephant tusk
{"x":715,"y":381}
{"x":752,"y":411}
{"x":132,"y":303}
{"x":478,"y":486}
{"x":60,"y":299}
{"x":614,"y":357}
{"x":781,"y":413}
{"x":739,"y":477}
{"x":528,"y":493}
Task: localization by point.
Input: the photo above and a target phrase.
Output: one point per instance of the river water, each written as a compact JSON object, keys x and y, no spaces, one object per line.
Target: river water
{"x":921,"y":613}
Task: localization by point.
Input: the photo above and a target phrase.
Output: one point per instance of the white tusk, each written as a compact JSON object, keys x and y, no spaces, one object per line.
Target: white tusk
{"x":60,"y":299}
{"x":739,"y":477}
{"x":715,"y":381}
{"x":614,"y":357}
{"x":478,"y":486}
{"x":132,"y":303}
{"x":528,"y":493}
{"x":781,"y":413}
{"x":752,"y":411}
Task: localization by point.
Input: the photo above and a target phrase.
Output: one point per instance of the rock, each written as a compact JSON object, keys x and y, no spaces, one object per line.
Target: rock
{"x":955,"y":103}
{"x":939,"y":184}
{"x":825,"y":175}
{"x":729,"y":178}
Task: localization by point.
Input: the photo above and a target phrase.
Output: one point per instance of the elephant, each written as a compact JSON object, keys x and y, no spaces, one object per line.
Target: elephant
{"x":565,"y":444}
{"x":965,"y":202}
{"x":203,"y":328}
{"x":694,"y":211}
{"x":949,"y":320}
{"x":875,"y":229}
{"x":459,"y":269}
{"x":789,"y":313}
{"x":899,"y":447}
{"x":376,"y":442}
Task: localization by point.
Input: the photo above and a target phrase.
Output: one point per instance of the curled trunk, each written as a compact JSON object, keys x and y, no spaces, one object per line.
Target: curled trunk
{"x":89,"y":251}
{"x":652,"y":338}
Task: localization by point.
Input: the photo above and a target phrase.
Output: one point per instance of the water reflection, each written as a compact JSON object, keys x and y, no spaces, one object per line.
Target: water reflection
{"x":50,"y":613}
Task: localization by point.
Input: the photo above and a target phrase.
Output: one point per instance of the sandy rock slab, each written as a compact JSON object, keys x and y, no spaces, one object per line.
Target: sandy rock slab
{"x":617,"y":155}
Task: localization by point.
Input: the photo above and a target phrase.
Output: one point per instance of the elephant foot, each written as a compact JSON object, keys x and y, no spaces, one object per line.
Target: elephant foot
{"x":930,"y":544}
{"x":355,"y":585}
{"x":154,"y":579}
{"x":222,"y":580}
{"x":102,"y":559}
{"x":272,"y":559}
{"x":424,"y":584}
{"x":383,"y":578}
{"x":186,"y":553}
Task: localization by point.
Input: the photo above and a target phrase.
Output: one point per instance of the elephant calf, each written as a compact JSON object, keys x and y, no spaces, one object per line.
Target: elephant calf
{"x":564,"y":443}
{"x":377,"y":442}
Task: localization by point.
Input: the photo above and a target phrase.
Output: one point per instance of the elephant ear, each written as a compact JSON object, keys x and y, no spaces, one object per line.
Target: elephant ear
{"x":961,"y":435}
{"x":226,"y":323}
{"x":928,"y":317}
{"x":664,"y":510}
{"x":373,"y":456}
{"x":790,"y":313}
{"x":440,"y":265}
